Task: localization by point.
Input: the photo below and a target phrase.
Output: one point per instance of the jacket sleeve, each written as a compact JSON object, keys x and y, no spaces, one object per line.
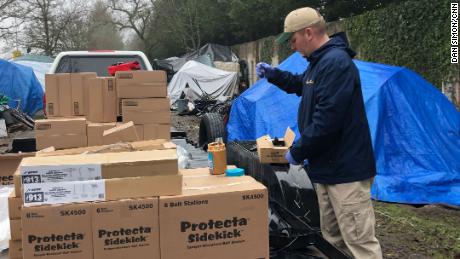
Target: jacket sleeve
{"x":333,"y":94}
{"x":290,"y":83}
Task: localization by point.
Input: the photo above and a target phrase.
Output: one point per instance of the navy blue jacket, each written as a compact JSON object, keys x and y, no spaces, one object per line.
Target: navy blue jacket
{"x":335,"y":135}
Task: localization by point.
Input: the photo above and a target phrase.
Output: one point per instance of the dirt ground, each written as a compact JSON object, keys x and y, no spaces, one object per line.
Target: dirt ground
{"x":404,"y":231}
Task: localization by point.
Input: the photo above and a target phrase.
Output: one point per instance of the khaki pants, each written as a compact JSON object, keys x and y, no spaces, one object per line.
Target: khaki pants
{"x":347,"y":218}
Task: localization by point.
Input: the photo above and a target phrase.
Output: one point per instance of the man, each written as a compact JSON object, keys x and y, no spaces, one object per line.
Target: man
{"x":335,"y":139}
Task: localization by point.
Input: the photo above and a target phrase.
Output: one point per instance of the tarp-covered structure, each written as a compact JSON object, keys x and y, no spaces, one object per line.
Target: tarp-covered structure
{"x":21,"y":86}
{"x":197,"y":80}
{"x":415,"y":130}
{"x":206,"y":55}
{"x":39,"y":64}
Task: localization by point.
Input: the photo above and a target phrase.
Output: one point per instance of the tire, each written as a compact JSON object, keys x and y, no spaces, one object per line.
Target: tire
{"x":211,"y":127}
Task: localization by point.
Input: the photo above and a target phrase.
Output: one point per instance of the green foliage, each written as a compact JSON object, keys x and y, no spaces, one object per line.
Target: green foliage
{"x":266,"y":51}
{"x":414,"y":34}
{"x":284,"y":51}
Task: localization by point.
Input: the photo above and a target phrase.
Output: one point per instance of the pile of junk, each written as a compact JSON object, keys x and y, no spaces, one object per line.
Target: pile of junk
{"x":205,"y":80}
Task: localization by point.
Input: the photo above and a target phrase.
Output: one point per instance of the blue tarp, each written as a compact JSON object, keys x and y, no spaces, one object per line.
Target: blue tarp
{"x":415,"y":130}
{"x":18,"y":82}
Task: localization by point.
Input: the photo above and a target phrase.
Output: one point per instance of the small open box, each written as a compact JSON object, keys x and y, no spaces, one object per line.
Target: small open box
{"x":271,"y":152}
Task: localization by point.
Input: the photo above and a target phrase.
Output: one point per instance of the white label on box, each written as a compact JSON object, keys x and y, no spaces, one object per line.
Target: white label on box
{"x":65,"y":192}
{"x":60,"y":173}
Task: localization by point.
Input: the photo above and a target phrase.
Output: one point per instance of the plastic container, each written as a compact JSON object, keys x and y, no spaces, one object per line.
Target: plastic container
{"x":234,"y":172}
{"x":217,"y":158}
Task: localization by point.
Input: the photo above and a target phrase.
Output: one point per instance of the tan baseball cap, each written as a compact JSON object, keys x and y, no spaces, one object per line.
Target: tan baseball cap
{"x":297,"y":20}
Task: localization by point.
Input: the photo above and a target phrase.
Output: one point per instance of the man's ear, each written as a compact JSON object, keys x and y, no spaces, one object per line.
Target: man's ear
{"x":308,"y":32}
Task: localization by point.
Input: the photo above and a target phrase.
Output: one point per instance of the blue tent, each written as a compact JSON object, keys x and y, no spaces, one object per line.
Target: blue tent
{"x":415,"y":130}
{"x":19,"y":84}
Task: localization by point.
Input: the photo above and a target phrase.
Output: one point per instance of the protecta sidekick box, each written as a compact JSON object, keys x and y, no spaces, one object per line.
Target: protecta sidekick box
{"x":61,"y":133}
{"x":147,"y":111}
{"x":15,"y":229}
{"x":101,"y":190}
{"x":126,"y":229}
{"x":271,"y":152}
{"x":62,"y":231}
{"x":14,"y":206}
{"x":15,"y":249}
{"x":215,"y":217}
{"x":141,"y":84}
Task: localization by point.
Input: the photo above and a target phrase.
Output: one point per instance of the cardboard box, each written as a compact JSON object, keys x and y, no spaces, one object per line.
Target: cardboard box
{"x":98,"y":166}
{"x":52,"y":95}
{"x":77,"y":81}
{"x":144,"y":145}
{"x":65,"y":94}
{"x":147,"y":111}
{"x":95,"y":132}
{"x":14,"y":206}
{"x":61,"y":133}
{"x":215,"y":217}
{"x":140,"y":131}
{"x":86,"y":86}
{"x":101,"y":190}
{"x":141,"y":84}
{"x":269,"y":153}
{"x":62,"y":231}
{"x":15,"y":249}
{"x":17,"y":184}
{"x":126,"y":229}
{"x":119,"y":104}
{"x":122,"y":133}
{"x":157,"y":131}
{"x":102,"y":100}
{"x":15,"y":229}
{"x":9,"y":164}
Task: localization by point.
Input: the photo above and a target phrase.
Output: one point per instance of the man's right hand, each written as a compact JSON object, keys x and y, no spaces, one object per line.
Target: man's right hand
{"x":264,"y":70}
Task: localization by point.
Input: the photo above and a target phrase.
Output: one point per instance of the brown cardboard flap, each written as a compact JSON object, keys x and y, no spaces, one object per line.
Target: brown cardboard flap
{"x":122,"y":133}
{"x":289,"y":137}
{"x":264,"y":142}
{"x":119,"y":147}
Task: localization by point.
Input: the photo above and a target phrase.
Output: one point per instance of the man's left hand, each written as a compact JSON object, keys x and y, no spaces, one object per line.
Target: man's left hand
{"x":290,"y":159}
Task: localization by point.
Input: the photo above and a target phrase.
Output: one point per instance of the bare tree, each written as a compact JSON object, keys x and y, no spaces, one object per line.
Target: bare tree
{"x":138,"y":16}
{"x":51,"y":23}
{"x":8,"y":12}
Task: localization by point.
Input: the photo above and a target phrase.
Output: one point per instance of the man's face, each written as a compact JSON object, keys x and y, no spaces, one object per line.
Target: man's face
{"x":301,"y":41}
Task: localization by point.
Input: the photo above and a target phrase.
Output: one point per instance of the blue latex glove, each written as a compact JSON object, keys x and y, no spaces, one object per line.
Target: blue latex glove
{"x":264,"y":70}
{"x":290,"y":159}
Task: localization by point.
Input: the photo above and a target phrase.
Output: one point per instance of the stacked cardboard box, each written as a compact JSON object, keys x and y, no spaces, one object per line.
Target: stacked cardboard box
{"x":67,"y":94}
{"x":61,"y":133}
{"x":45,"y":185}
{"x":143,"y":99}
{"x":214,"y":217}
{"x":8,"y":164}
{"x":14,"y":212}
{"x":97,"y":177}
{"x":141,"y":94}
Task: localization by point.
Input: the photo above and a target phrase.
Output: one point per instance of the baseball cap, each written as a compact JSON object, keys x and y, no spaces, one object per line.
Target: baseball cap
{"x":297,"y":20}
